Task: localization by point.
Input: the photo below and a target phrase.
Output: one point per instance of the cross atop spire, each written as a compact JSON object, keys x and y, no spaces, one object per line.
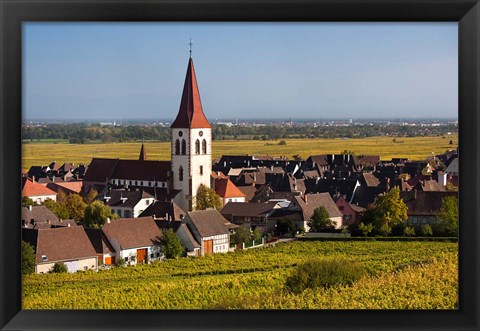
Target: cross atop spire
{"x":190,"y":43}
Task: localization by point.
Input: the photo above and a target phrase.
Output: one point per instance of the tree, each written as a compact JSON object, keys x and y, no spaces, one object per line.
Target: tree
{"x":242,"y":234}
{"x":207,"y":198}
{"x":58,"y":209}
{"x":75,"y":206}
{"x":448,"y":216}
{"x":28,"y":258}
{"x":257,"y":235}
{"x":59,"y":267}
{"x":284,"y":227}
{"x":320,"y":220}
{"x":89,"y":197}
{"x":409,"y":231}
{"x":427,"y":231}
{"x":390,"y":210}
{"x":365,"y":229}
{"x":26,"y":201}
{"x":96,"y":214}
{"x":385,"y":229}
{"x":170,"y":244}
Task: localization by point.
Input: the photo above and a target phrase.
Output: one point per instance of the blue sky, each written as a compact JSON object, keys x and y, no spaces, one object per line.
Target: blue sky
{"x":119,"y":71}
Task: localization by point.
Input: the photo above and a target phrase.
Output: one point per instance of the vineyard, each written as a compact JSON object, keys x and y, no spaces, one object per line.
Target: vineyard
{"x":400,"y":275}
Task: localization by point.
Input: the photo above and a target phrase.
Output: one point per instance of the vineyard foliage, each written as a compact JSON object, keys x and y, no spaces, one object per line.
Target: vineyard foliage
{"x":400,"y":275}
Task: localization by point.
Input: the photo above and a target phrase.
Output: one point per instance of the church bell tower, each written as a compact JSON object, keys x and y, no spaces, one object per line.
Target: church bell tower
{"x":191,"y":144}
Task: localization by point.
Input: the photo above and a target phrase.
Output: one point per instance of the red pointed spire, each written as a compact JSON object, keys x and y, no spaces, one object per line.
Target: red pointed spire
{"x":190,"y":115}
{"x":143,"y":154}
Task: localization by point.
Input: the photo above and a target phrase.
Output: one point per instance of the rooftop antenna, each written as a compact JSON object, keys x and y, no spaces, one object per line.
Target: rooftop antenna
{"x":190,"y":43}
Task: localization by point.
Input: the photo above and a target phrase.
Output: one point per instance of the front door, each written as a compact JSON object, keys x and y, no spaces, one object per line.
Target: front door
{"x":142,"y":255}
{"x":208,"y":247}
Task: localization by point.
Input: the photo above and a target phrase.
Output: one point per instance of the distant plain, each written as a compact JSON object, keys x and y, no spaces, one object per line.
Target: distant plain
{"x":414,"y":148}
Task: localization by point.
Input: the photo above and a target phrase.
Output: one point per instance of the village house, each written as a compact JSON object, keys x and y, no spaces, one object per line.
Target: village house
{"x":40,"y":217}
{"x":164,"y":210}
{"x":253,"y":214}
{"x":105,"y":252}
{"x":301,"y":210}
{"x":423,"y":206}
{"x":136,"y":240}
{"x":67,"y":245}
{"x":351,"y":212}
{"x":227,"y":191}
{"x":210,"y":229}
{"x":127,"y":204}
{"x":37,"y":192}
{"x":70,"y":187}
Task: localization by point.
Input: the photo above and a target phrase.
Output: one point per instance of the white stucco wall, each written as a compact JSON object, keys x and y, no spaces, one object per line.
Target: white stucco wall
{"x":221,"y":243}
{"x":89,"y":263}
{"x":41,"y":198}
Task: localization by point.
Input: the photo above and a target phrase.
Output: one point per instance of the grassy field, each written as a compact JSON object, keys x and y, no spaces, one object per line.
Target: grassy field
{"x":400,"y":275}
{"x":415,"y":148}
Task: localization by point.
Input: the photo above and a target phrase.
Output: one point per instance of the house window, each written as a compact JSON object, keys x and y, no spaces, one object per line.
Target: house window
{"x":204,"y":146}
{"x":340,"y":208}
{"x":184,"y":147}
{"x":201,"y":170}
{"x":152,"y":256}
{"x":147,"y":202}
{"x":126,"y":259}
{"x":177,"y":147}
{"x":128,"y":214}
{"x":180,"y":173}
{"x":197,"y":146}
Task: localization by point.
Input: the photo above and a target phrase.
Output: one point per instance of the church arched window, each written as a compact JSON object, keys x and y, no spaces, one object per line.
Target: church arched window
{"x":180,"y":173}
{"x":197,"y":146}
{"x":184,"y":147}
{"x":204,"y":146}
{"x":177,"y":147}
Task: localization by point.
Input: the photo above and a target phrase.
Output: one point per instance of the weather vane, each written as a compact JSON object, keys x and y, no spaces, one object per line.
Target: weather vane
{"x":190,"y":43}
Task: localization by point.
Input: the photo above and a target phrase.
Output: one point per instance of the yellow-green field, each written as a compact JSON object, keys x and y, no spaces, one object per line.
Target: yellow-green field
{"x":415,"y":148}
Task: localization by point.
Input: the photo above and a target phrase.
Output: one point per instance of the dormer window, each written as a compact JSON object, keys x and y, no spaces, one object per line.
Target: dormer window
{"x":44,"y":258}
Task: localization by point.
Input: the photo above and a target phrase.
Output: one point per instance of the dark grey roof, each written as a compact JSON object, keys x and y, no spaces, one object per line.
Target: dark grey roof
{"x":249,"y":209}
{"x":160,"y":209}
{"x":123,"y":198}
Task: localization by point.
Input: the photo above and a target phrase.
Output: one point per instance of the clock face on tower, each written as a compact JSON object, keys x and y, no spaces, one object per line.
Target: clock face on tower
{"x":200,"y":133}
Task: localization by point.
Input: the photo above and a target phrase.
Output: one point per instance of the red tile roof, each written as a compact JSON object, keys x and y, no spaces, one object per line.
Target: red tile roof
{"x":191,"y":113}
{"x":33,"y":189}
{"x":226,"y":189}
{"x":69,"y":187}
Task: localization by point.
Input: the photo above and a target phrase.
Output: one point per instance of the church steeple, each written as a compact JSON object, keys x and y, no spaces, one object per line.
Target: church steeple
{"x":143,"y":153}
{"x":190,"y":114}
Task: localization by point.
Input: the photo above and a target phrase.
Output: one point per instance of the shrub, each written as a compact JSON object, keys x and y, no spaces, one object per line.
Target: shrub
{"x":323,"y":273}
{"x":59,"y":267}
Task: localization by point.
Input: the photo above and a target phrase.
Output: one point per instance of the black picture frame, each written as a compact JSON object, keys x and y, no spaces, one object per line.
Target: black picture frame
{"x":14,"y":12}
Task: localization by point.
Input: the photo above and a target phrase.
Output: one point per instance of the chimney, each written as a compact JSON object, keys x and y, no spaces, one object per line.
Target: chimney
{"x":167,"y":217}
{"x":49,"y":222}
{"x":33,"y":178}
{"x":305,"y":197}
{"x":415,"y":194}
{"x":271,"y":167}
{"x":254,"y":176}
{"x":68,"y":225}
{"x":30,"y":208}
{"x":108,"y":220}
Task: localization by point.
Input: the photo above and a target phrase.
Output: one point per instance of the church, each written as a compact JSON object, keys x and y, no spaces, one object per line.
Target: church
{"x":176,"y":180}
